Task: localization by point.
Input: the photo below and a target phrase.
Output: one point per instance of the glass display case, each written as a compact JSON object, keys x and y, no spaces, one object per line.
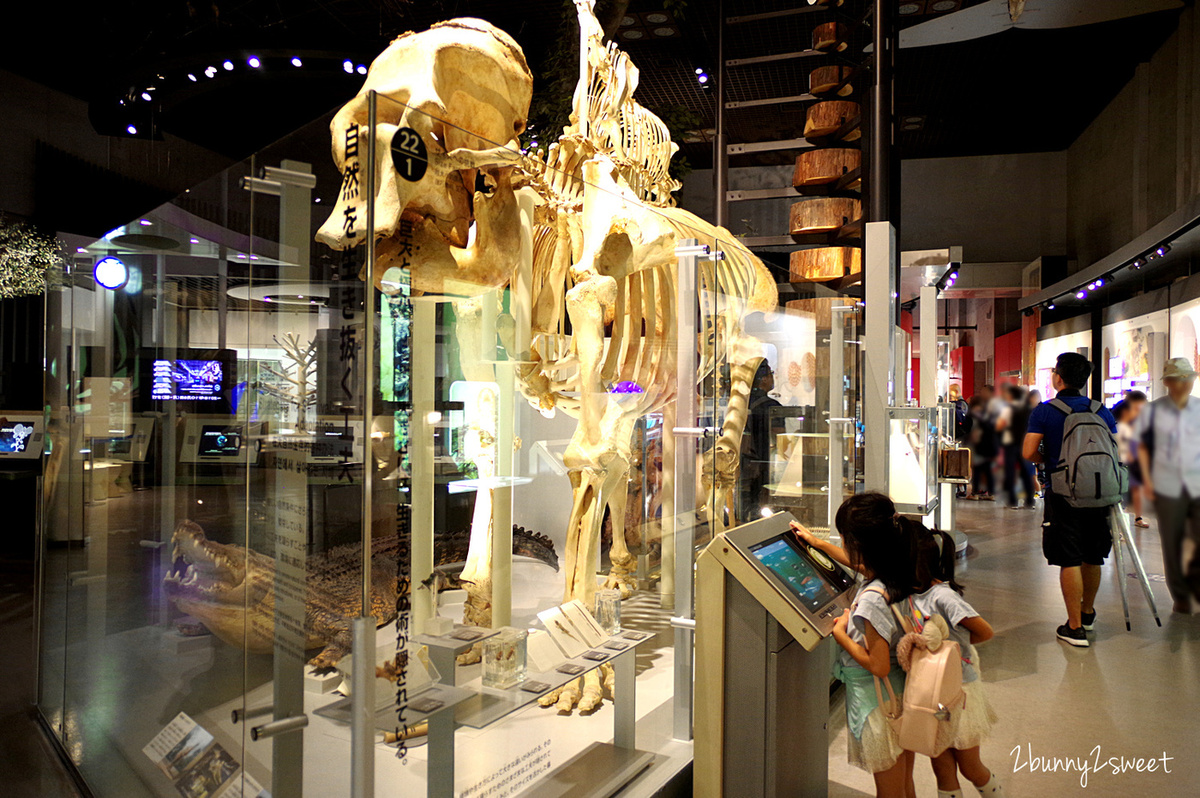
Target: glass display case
{"x":337,"y":473}
{"x":913,"y":458}
{"x":299,"y":481}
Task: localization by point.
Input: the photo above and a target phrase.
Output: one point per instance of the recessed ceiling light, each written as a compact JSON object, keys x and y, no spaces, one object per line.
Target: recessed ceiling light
{"x":664,"y":32}
{"x":908,"y":126}
{"x":296,"y":61}
{"x":627,"y":20}
{"x":908,"y":8}
{"x":191,"y":77}
{"x":228,"y":66}
{"x":915,"y":120}
{"x":632,"y":34}
{"x":131,"y":130}
{"x":146,"y":96}
{"x":111,"y":273}
{"x":195,"y":241}
{"x":944,"y":5}
{"x":657,"y":19}
{"x":362,"y":70}
{"x":254,"y":62}
{"x":348,"y":66}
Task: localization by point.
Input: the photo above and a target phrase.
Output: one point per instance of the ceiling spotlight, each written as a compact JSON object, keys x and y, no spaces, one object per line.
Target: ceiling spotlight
{"x":362,"y":70}
{"x":1050,"y":306}
{"x":111,"y":273}
{"x":191,"y":77}
{"x":131,"y":130}
{"x":1027,"y":312}
{"x":1100,"y":283}
{"x":703,"y":78}
{"x":146,"y":96}
{"x":1091,"y":286}
{"x":195,"y":240}
{"x":1080,"y":294}
{"x":318,"y":199}
{"x":144,"y":222}
{"x":81,"y":250}
{"x":1162,"y":250}
{"x":253,"y":62}
{"x":228,"y":66}
{"x":348,"y":66}
{"x":296,"y":62}
{"x":699,"y":71}
{"x":211,"y":72}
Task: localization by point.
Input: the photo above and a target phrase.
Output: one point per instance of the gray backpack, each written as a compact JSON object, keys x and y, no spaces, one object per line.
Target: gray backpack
{"x":1089,"y":472}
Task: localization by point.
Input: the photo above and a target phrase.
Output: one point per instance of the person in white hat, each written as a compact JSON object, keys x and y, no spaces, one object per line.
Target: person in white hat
{"x":1170,"y":458}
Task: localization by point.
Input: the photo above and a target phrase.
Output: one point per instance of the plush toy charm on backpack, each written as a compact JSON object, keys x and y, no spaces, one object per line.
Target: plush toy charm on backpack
{"x":1090,"y":472}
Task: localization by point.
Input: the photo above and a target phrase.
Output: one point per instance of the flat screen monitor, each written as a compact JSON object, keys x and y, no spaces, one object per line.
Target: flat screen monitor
{"x":810,"y":575}
{"x":21,"y":436}
{"x":219,"y":441}
{"x":199,"y":379}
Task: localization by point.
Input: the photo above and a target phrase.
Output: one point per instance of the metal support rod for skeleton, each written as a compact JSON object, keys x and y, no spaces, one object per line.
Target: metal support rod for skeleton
{"x":362,"y":727}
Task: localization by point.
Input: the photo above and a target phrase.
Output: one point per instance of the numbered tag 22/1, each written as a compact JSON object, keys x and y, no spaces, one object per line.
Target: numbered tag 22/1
{"x":409,"y":155}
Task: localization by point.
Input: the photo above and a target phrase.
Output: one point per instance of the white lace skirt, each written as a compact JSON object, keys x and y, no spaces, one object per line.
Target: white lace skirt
{"x":971,"y":725}
{"x":879,"y":747}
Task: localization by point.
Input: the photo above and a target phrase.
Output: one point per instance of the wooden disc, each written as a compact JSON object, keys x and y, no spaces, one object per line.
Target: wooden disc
{"x":829,"y":37}
{"x":820,"y":308}
{"x":825,"y":119}
{"x":816,"y":167}
{"x":823,"y":80}
{"x":825,"y":263}
{"x":823,"y":214}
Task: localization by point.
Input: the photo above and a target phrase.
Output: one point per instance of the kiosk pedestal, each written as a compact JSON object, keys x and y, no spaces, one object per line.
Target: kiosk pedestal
{"x":764,"y":604}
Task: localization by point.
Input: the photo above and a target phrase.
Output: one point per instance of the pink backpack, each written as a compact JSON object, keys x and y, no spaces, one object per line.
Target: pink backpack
{"x":933,"y":688}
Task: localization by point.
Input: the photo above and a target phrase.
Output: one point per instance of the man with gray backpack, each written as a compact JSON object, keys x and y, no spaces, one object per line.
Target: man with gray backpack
{"x":1076,"y":438}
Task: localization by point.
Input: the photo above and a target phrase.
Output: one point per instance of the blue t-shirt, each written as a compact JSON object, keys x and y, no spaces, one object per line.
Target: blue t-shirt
{"x":1047,"y":421}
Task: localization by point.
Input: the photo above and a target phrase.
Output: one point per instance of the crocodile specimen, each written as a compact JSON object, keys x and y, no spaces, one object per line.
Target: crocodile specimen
{"x":230,"y":589}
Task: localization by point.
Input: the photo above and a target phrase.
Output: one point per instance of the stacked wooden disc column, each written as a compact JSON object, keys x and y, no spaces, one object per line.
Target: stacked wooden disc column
{"x":830,"y":215}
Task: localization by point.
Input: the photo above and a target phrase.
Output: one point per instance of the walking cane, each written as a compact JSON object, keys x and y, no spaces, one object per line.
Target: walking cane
{"x":1121,"y":534}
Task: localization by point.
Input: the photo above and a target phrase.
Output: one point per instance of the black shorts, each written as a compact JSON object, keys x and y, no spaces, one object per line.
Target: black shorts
{"x":1075,"y":535}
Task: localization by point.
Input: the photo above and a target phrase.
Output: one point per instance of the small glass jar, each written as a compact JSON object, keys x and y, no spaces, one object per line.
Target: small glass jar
{"x":608,"y":611}
{"x":504,"y":658}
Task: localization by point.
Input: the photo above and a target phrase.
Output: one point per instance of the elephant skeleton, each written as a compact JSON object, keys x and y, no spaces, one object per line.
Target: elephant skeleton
{"x":604,"y":236}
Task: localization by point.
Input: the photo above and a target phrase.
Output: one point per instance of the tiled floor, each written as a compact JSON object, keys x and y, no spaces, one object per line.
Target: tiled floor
{"x":28,"y":767}
{"x":1132,"y":694}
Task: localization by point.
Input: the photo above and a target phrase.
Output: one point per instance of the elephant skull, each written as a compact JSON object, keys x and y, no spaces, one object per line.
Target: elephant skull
{"x":451,"y":102}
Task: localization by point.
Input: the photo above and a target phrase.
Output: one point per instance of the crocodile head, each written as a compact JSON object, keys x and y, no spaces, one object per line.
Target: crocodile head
{"x":226,"y":587}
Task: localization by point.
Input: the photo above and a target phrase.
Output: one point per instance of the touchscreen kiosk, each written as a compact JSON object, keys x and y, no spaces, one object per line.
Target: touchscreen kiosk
{"x":21,"y":436}
{"x":765,"y":603}
{"x":212,"y":440}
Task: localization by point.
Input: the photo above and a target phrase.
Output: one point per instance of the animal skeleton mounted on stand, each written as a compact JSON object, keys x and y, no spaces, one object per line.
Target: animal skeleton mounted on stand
{"x":604,"y":235}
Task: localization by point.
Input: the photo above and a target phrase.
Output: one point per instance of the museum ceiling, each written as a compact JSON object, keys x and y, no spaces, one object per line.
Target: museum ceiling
{"x":1017,"y":91}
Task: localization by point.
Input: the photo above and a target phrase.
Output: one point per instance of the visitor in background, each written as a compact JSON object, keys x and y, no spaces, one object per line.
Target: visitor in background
{"x":962,"y":414}
{"x":1076,"y":539}
{"x":1169,"y":454}
{"x":1127,"y":412}
{"x":1039,"y":469}
{"x":1011,"y":426}
{"x":982,"y":441}
{"x":761,"y":428}
{"x":962,"y":427}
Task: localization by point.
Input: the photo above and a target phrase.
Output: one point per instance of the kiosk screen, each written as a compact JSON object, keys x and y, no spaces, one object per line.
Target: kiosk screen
{"x":813,"y":584}
{"x":220,"y":441}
